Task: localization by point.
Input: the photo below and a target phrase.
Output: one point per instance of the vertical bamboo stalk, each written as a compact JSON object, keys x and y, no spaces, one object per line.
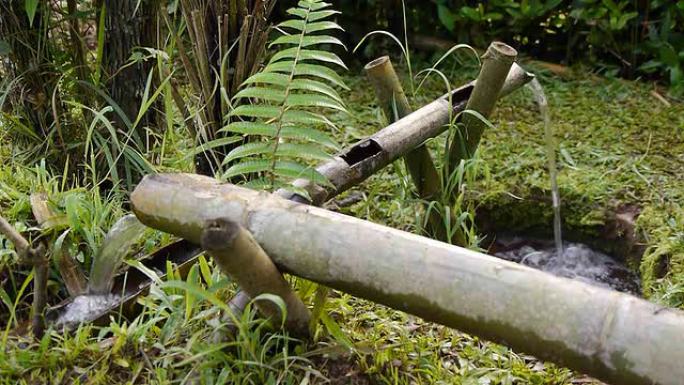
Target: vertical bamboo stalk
{"x":394,"y":103}
{"x":496,"y":63}
{"x":240,"y":256}
{"x":36,"y":258}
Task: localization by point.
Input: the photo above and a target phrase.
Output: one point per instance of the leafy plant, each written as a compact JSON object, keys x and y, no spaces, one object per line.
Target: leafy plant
{"x":286,"y":94}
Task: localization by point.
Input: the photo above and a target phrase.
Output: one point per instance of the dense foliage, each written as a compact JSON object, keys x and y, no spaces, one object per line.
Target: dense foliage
{"x":631,"y":38}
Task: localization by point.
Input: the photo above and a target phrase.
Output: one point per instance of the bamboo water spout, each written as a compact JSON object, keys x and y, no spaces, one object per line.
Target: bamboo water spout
{"x":615,"y":337}
{"x":358,"y":162}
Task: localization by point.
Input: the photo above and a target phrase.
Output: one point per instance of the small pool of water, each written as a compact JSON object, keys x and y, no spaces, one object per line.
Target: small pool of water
{"x":577,"y":262}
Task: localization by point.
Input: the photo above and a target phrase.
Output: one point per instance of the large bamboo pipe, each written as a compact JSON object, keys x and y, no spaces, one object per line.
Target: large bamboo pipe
{"x":612,"y":336}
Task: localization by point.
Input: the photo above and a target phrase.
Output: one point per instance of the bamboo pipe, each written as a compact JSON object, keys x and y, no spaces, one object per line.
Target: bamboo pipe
{"x":496,"y":64}
{"x":394,"y":103}
{"x":240,"y":257}
{"x":358,"y":162}
{"x":612,"y":336}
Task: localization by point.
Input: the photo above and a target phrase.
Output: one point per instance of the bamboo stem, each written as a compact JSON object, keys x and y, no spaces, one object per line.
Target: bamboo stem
{"x":36,"y":258}
{"x":240,"y":256}
{"x":393,"y":101}
{"x":613,"y":336}
{"x":394,"y":141}
{"x":496,"y":63}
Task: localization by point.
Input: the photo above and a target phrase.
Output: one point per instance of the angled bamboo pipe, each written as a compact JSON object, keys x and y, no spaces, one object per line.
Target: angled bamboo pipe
{"x":358,"y":162}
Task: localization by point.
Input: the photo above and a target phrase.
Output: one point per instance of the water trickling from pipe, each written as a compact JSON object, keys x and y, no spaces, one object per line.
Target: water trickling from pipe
{"x":125,"y":232}
{"x":543,"y":104}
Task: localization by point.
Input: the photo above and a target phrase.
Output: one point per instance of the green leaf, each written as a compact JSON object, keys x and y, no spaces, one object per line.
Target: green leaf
{"x":310,"y":134}
{"x":299,"y":25}
{"x":295,"y":170}
{"x":303,"y":151}
{"x":268,"y":78}
{"x":308,"y":54}
{"x":446,"y":17}
{"x":308,"y":100}
{"x":274,"y":95}
{"x":250,"y":128}
{"x":336,"y":331}
{"x":249,"y":149}
{"x":303,"y":69}
{"x":306,"y":41}
{"x":286,"y":132}
{"x":252,"y":111}
{"x":315,"y":86}
{"x":312,"y":16}
{"x":5,"y":48}
{"x":31,"y":7}
{"x":247,"y":167}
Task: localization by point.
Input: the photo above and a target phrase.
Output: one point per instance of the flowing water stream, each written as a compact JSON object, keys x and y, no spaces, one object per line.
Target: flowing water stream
{"x":125,"y":232}
{"x":576,"y":261}
{"x":542,"y":102}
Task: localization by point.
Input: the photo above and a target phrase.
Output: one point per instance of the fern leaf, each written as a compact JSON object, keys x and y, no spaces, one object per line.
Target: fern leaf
{"x":309,"y":54}
{"x":287,"y":98}
{"x":306,"y":41}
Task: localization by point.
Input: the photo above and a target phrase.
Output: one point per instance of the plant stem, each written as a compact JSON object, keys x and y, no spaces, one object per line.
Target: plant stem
{"x":36,"y":258}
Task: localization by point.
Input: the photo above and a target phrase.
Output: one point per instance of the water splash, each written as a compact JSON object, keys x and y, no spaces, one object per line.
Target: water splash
{"x":577,"y":261}
{"x":125,"y":232}
{"x":542,"y":102}
{"x":86,"y":308}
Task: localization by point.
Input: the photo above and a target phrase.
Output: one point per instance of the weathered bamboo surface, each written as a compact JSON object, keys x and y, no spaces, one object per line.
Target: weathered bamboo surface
{"x":612,"y":336}
{"x":358,"y":162}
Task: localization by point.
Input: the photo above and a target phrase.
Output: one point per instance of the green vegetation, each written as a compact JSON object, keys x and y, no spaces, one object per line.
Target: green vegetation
{"x":631,"y":38}
{"x":64,"y":133}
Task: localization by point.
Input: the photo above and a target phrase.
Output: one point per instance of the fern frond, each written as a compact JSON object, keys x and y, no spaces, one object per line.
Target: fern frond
{"x":288,"y":99}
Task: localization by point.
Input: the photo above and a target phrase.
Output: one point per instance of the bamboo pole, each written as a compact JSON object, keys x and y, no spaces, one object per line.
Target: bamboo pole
{"x":496,"y":64}
{"x":393,"y":101}
{"x":395,"y":105}
{"x":612,"y":336}
{"x":240,"y":256}
{"x":36,"y":258}
{"x":358,"y":162}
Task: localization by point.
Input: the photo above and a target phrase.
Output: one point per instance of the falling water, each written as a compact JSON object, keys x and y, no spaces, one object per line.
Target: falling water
{"x":125,"y":232}
{"x":542,"y":102}
{"x":86,"y":308}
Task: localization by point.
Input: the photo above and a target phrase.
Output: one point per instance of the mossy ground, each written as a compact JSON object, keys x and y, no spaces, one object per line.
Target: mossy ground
{"x":619,"y":146}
